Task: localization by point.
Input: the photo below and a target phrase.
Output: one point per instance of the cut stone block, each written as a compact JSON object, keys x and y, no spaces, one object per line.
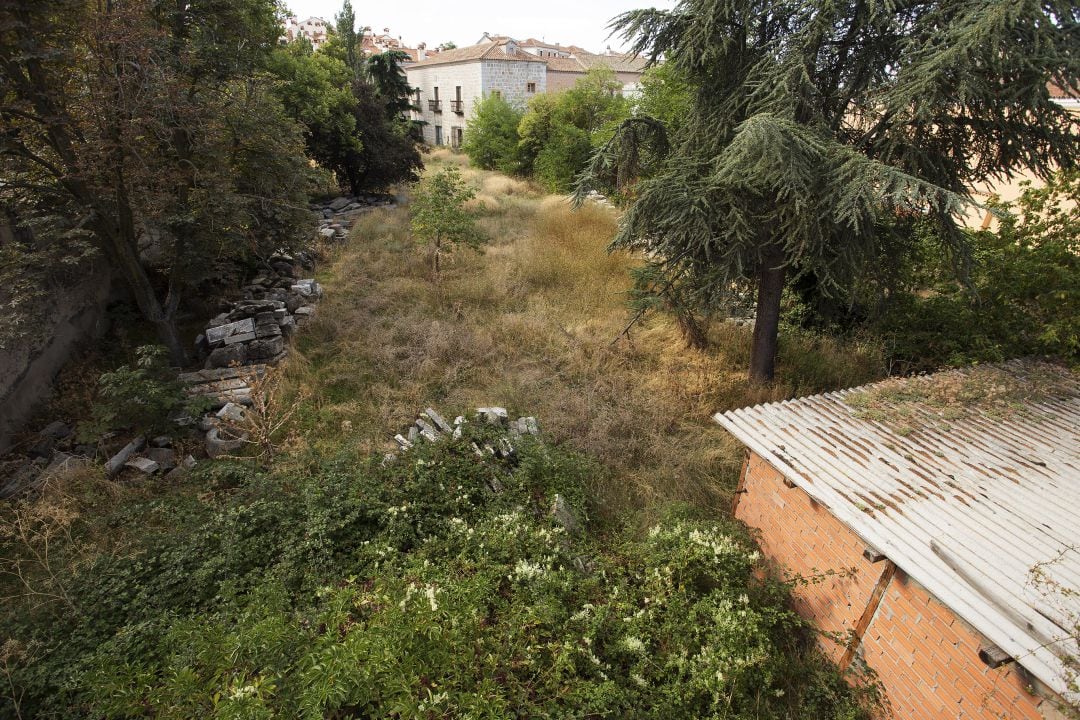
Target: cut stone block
{"x":241,"y":338}
{"x":440,"y":423}
{"x":143,"y":465}
{"x":493,"y":415}
{"x":164,"y":457}
{"x":222,"y":333}
{"x":119,"y":459}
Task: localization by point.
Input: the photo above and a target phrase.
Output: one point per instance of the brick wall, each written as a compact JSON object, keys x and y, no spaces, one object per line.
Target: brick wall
{"x":925,"y":657}
{"x":807,"y":540}
{"x":928,"y":660}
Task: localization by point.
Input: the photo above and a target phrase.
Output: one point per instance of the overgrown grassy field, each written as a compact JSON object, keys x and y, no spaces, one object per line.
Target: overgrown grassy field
{"x":529,"y":324}
{"x":320,"y":581}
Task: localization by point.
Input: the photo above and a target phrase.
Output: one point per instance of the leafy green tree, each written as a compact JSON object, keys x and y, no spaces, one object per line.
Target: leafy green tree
{"x":439,"y":216}
{"x":129,"y":126}
{"x":353,"y":117}
{"x":1022,"y":296}
{"x":390,"y":153}
{"x":348,"y":38}
{"x":315,"y":88}
{"x":666,"y":96}
{"x":559,"y":132}
{"x":813,"y":122}
{"x":491,"y":136}
{"x":565,"y":152}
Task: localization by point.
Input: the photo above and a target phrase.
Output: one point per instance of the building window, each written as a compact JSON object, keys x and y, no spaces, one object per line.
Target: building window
{"x":530,"y":87}
{"x":496,"y":93}
{"x":457,"y":137}
{"x":438,"y":135}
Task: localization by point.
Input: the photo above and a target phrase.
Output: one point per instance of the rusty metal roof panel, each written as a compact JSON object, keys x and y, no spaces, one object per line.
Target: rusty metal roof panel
{"x":969,"y":480}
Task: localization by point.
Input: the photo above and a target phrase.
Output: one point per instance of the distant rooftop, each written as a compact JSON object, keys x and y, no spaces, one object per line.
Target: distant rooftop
{"x":968,"y":480}
{"x":501,"y":47}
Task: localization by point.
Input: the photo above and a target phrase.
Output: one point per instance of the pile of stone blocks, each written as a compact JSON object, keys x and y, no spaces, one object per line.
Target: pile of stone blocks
{"x":255,"y":329}
{"x":223,"y":385}
{"x":338,"y":214}
{"x":430,"y":426}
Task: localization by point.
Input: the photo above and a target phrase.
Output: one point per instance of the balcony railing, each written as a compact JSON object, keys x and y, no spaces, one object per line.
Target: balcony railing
{"x":434,"y":105}
{"x":458,"y":106}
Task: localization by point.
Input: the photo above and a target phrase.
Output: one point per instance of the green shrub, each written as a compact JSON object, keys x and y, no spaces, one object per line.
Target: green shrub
{"x":564,"y":156}
{"x":436,"y":585}
{"x":140,"y":397}
{"x":491,"y":136}
{"x":1023,"y":297}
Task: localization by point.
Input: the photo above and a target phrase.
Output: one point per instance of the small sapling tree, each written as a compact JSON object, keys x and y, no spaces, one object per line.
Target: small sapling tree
{"x":439,"y":216}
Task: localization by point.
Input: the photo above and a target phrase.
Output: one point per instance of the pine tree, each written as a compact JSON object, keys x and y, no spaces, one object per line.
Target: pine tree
{"x":811,"y":121}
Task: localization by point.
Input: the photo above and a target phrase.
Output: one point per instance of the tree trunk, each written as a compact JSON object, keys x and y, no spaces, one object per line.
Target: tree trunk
{"x":438,"y":251}
{"x":767,"y":324}
{"x":692,"y":332}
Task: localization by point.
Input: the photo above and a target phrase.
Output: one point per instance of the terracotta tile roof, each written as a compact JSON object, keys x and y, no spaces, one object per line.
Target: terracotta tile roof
{"x":582,"y":62}
{"x":484,"y":51}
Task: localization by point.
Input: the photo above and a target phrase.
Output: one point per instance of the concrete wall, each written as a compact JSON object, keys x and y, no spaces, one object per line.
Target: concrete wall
{"x":926,"y":658}
{"x":28,"y":367}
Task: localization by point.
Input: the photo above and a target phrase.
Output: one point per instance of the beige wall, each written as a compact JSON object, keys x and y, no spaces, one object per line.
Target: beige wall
{"x":476,"y":78}
{"x":558,"y":81}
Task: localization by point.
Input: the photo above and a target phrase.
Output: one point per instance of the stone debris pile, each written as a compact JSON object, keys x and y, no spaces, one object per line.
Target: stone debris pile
{"x":158,"y":456}
{"x":338,"y":214}
{"x":430,"y":426}
{"x":223,"y":385}
{"x":255,"y":328}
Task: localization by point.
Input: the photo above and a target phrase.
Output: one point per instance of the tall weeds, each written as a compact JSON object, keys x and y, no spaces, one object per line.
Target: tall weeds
{"x":529,"y":324}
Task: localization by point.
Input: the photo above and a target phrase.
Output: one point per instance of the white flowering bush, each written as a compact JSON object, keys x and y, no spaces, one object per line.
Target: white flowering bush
{"x":419,"y":591}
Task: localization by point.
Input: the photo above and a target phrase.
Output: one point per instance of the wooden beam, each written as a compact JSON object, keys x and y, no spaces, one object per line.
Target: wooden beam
{"x":740,"y":489}
{"x":993,"y":656}
{"x":868,"y":613}
{"x":873,"y":554}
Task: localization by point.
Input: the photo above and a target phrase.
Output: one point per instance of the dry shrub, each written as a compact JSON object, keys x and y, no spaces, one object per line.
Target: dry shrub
{"x":483,"y":203}
{"x":495,"y":184}
{"x":446,"y":156}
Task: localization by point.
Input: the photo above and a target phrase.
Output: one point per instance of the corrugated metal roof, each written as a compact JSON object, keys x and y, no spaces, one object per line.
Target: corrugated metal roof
{"x":967,"y":499}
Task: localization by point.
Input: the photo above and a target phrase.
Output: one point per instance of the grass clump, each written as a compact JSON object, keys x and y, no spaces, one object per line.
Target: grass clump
{"x":415,"y":590}
{"x":999,"y":391}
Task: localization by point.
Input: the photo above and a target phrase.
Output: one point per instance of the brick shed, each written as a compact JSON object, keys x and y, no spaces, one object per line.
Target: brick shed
{"x":947,"y":507}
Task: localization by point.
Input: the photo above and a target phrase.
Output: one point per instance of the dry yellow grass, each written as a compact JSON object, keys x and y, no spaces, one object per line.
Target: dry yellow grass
{"x":528,"y":324}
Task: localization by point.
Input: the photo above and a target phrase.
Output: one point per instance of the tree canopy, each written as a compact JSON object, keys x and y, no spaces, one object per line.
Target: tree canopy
{"x":812,"y":122}
{"x":148,"y":130}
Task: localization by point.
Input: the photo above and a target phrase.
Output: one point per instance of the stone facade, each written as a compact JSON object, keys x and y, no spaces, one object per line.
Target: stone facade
{"x":469,"y":81}
{"x":926,"y":658}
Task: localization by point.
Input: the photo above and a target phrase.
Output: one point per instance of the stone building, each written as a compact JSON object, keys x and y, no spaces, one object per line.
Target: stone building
{"x":450,"y":82}
{"x":942,"y":538}
{"x":313,"y":28}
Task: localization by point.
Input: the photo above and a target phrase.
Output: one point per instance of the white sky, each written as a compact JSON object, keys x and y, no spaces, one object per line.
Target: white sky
{"x":570,"y":22}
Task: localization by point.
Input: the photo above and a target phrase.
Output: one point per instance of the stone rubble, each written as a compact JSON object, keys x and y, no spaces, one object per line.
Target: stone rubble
{"x":236,"y":347}
{"x":339,"y":214}
{"x":430,"y":426}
